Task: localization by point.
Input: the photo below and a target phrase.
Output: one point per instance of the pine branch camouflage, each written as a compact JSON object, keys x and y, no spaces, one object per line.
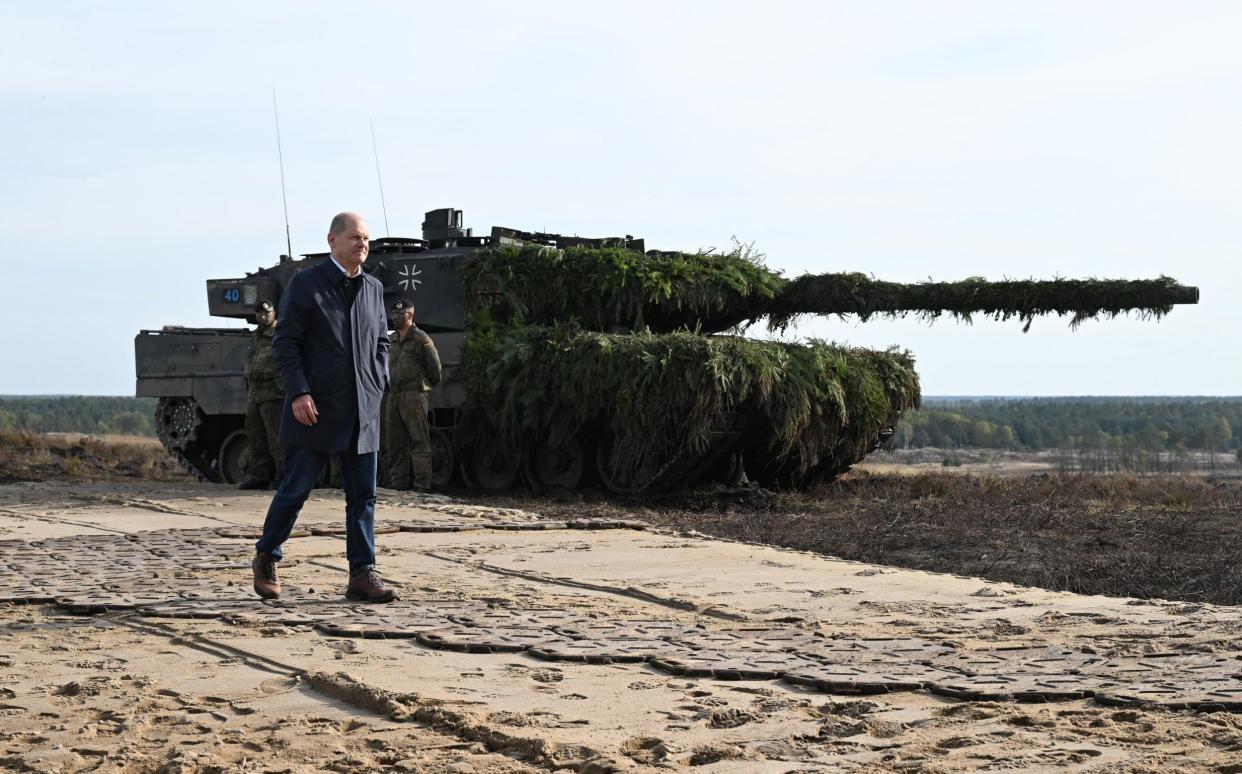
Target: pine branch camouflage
{"x":565,"y":338}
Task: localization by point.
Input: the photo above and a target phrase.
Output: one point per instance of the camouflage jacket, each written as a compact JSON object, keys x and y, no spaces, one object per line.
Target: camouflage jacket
{"x":414,"y":363}
{"x":262,"y":373}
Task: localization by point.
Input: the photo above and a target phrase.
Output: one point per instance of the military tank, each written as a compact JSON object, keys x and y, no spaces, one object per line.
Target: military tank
{"x":573,"y":362}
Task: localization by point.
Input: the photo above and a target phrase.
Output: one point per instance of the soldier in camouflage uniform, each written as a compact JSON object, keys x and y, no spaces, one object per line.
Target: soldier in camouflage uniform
{"x":415,"y":368}
{"x":265,"y":399}
{"x":385,"y":454}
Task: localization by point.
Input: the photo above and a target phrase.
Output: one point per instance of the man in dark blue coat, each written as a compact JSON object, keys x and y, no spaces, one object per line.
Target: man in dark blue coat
{"x":332,"y":348}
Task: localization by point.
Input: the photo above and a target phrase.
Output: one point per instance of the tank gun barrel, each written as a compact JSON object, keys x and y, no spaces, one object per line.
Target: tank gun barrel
{"x":1185,"y":294}
{"x":613,"y":287}
{"x":1083,"y":299}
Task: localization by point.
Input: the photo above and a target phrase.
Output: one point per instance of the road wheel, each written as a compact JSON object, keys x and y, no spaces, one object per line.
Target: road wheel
{"x":492,"y":467}
{"x":234,"y":454}
{"x":624,"y":479}
{"x":555,"y":467}
{"x":443,"y":460}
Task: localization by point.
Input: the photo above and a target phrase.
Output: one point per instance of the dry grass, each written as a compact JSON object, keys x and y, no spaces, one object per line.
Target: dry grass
{"x":1173,"y":537}
{"x":999,"y":462}
{"x":71,"y":457}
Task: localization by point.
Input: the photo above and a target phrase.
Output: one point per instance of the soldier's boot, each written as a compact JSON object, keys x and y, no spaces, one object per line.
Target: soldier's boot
{"x":422,"y":470}
{"x":399,"y":472}
{"x":253,"y":483}
{"x":266,"y":583}
{"x":366,"y":586}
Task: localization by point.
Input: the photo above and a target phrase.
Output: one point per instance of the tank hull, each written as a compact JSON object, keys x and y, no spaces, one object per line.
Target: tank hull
{"x":200,"y":415}
{"x":196,"y":375}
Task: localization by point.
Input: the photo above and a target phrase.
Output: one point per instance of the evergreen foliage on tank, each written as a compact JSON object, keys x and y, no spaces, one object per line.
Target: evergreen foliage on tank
{"x":612,"y":287}
{"x":663,"y":394}
{"x":711,"y":291}
{"x":611,"y":342}
{"x":1082,"y":300}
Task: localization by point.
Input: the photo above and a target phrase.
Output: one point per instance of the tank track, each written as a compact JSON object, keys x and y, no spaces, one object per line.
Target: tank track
{"x":689,"y":469}
{"x":177,"y":423}
{"x":716,"y":462}
{"x":722,"y":462}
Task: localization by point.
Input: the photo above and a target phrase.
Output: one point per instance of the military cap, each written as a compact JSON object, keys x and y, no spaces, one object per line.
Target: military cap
{"x":264,"y":306}
{"x":401,"y":305}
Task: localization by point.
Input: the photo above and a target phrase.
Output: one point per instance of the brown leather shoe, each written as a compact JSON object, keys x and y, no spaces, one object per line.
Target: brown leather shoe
{"x":367,"y":587}
{"x":266,"y":584}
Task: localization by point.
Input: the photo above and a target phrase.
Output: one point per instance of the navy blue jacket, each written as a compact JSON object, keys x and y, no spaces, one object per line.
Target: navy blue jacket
{"x":336,"y":353}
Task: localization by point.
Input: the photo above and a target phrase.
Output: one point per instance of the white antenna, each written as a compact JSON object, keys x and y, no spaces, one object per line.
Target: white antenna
{"x":375,"y":150}
{"x":281,"y":155}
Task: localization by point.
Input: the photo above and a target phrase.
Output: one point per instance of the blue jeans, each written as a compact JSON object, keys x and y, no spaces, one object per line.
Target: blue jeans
{"x":303,"y":467}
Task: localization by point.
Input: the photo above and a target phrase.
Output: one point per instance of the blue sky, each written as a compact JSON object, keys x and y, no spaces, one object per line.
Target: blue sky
{"x":906,"y":140}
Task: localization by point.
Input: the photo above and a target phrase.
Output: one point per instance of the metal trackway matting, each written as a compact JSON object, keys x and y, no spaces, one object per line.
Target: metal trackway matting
{"x":166,"y":574}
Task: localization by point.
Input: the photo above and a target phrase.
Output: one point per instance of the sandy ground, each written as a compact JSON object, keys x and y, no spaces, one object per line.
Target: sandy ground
{"x":996,"y":462}
{"x":979,"y":462}
{"x":273,"y":687}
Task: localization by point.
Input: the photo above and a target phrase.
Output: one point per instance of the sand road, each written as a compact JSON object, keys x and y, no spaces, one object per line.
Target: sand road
{"x":130,"y":640}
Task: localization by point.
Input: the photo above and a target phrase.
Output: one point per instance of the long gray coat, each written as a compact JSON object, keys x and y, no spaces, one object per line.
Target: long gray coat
{"x":340,"y":358}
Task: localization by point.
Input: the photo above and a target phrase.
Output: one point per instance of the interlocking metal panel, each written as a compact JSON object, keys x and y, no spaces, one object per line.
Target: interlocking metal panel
{"x":1025,"y":687}
{"x":726,"y":665}
{"x":605,"y":651}
{"x":175,"y":574}
{"x":476,"y":639}
{"x":865,"y":677}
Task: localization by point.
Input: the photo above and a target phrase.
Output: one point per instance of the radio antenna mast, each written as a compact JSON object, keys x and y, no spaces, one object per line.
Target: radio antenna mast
{"x":375,"y":150}
{"x":280,"y":154}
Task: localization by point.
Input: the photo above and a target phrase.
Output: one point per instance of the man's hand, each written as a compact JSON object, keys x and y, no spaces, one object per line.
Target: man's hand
{"x":304,"y":410}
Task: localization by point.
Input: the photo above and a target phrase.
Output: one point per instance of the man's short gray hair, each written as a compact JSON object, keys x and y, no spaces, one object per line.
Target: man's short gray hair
{"x":340,"y":221}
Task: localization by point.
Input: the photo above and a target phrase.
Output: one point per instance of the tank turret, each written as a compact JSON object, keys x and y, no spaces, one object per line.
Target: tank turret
{"x":571,"y":361}
{"x":619,"y":287}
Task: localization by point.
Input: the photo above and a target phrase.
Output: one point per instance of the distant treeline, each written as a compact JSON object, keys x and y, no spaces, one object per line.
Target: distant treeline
{"x":1153,"y":424}
{"x":1034,"y":424}
{"x":77,"y":414}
